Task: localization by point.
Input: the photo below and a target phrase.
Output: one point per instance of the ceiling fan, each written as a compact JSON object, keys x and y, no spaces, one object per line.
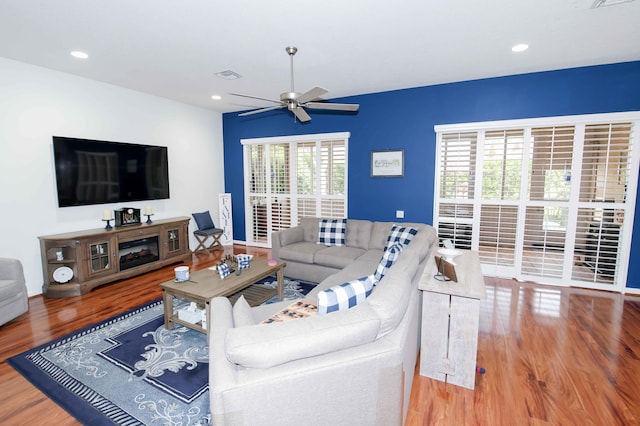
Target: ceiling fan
{"x":296,"y":102}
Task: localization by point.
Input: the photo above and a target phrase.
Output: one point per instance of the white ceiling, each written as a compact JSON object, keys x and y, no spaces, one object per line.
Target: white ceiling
{"x":173,"y":48}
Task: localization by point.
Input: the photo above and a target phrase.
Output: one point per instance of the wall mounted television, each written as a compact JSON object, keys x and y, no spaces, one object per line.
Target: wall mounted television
{"x":100,"y":172}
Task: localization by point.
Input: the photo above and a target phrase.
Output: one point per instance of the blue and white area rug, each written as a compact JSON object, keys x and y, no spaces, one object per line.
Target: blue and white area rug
{"x":130,"y":370}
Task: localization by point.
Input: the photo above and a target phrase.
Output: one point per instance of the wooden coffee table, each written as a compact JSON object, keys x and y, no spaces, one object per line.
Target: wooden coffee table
{"x":206,"y":284}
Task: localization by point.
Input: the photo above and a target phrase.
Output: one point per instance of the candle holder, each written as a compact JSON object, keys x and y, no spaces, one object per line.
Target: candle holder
{"x":149,"y":218}
{"x":108,"y":227}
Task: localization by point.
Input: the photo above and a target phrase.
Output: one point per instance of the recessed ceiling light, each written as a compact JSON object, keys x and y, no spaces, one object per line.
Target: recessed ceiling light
{"x":228,"y":75}
{"x":216,"y":97}
{"x":79,"y":54}
{"x":520,"y":47}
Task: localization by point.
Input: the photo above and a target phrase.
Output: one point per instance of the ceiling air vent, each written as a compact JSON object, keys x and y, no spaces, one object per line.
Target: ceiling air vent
{"x":228,"y":75}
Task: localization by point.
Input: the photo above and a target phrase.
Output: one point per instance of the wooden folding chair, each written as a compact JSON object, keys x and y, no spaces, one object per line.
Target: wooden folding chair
{"x":207,"y":230}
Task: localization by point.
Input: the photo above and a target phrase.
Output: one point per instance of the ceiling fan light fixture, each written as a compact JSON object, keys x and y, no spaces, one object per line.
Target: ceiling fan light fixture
{"x":228,"y":75}
{"x":216,"y":97}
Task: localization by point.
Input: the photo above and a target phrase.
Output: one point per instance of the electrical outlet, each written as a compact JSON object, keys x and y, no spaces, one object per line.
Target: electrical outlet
{"x":399,"y":214}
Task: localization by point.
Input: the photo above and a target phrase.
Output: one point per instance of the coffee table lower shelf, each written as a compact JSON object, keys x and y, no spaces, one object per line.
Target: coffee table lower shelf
{"x":197,"y":326}
{"x":255,"y":295}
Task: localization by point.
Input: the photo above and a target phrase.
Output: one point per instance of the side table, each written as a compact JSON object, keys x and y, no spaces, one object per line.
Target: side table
{"x":450,"y":320}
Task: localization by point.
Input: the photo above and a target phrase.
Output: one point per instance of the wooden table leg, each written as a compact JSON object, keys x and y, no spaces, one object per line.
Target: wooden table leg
{"x":280,"y":278}
{"x":167,"y":301}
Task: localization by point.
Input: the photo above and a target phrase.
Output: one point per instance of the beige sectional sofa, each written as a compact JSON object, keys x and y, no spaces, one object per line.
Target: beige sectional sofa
{"x":352,"y":366}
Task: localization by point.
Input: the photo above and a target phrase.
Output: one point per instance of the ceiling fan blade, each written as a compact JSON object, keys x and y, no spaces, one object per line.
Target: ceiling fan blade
{"x":256,"y":111}
{"x":335,"y":107}
{"x":311,"y":95}
{"x":301,"y":114}
{"x":254,"y":97}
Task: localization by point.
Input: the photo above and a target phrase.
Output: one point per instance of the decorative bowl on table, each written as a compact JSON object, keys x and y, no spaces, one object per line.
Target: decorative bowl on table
{"x":450,"y":254}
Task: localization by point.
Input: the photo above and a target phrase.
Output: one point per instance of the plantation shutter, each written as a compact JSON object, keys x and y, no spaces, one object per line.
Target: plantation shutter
{"x":549,"y":199}
{"x":306,"y":183}
{"x":279,"y":213}
{"x":288,"y":178}
{"x":502,"y":160}
{"x":332,"y":179}
{"x":603,"y":195}
{"x":547,"y":204}
{"x":457,"y":164}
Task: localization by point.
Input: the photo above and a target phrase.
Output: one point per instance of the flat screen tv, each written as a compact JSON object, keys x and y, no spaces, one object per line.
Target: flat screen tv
{"x":100,"y":172}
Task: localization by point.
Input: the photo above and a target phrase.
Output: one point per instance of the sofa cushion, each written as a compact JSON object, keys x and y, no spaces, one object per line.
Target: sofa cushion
{"x":337,"y":257}
{"x":332,"y":232}
{"x":358,"y":233}
{"x":388,"y":259}
{"x":424,"y":239}
{"x":400,"y":234}
{"x":390,"y":297}
{"x":344,"y":296}
{"x":300,"y":252}
{"x":310,"y":225}
{"x":291,"y":236}
{"x":242,"y":315}
{"x":268,"y":345}
{"x":372,"y":255}
{"x":379,"y":234}
{"x":358,"y":268}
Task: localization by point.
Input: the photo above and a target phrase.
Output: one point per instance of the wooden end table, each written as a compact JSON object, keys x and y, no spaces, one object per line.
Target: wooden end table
{"x":450,"y":321}
{"x":206,"y":284}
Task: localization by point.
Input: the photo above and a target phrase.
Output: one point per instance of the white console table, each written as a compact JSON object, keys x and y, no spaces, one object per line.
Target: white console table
{"x":450,"y":319}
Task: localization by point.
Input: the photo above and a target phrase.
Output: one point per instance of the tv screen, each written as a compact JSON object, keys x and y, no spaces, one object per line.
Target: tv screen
{"x":100,"y":172}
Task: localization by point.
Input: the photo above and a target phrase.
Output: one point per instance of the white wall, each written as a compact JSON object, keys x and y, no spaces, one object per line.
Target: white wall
{"x":36,"y":104}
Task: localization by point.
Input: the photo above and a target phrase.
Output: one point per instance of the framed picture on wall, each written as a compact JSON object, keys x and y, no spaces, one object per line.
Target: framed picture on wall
{"x":389,"y":163}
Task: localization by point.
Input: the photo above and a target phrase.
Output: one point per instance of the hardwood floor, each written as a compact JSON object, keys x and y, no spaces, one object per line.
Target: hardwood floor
{"x":552,"y":355}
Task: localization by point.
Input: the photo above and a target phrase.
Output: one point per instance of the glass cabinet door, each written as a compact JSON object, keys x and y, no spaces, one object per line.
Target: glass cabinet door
{"x":99,"y":257}
{"x":173,"y":240}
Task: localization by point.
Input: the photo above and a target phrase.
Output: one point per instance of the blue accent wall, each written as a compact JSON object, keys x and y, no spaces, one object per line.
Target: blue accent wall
{"x":405,"y":119}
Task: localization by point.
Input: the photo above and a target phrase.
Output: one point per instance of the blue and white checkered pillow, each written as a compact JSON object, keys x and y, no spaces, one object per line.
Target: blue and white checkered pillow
{"x":244,"y":261}
{"x":344,"y":296}
{"x":332,"y":232}
{"x":389,"y":257}
{"x":400,"y":234}
{"x":224,"y":270}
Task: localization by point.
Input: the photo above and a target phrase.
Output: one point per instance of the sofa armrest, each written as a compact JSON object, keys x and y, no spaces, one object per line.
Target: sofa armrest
{"x":11,"y":269}
{"x":285,"y":237}
{"x":269,"y":345}
{"x":219,"y":366}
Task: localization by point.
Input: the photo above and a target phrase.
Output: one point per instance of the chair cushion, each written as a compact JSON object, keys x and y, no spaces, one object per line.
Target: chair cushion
{"x":203,"y":220}
{"x":208,"y":232}
{"x":332,"y":232}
